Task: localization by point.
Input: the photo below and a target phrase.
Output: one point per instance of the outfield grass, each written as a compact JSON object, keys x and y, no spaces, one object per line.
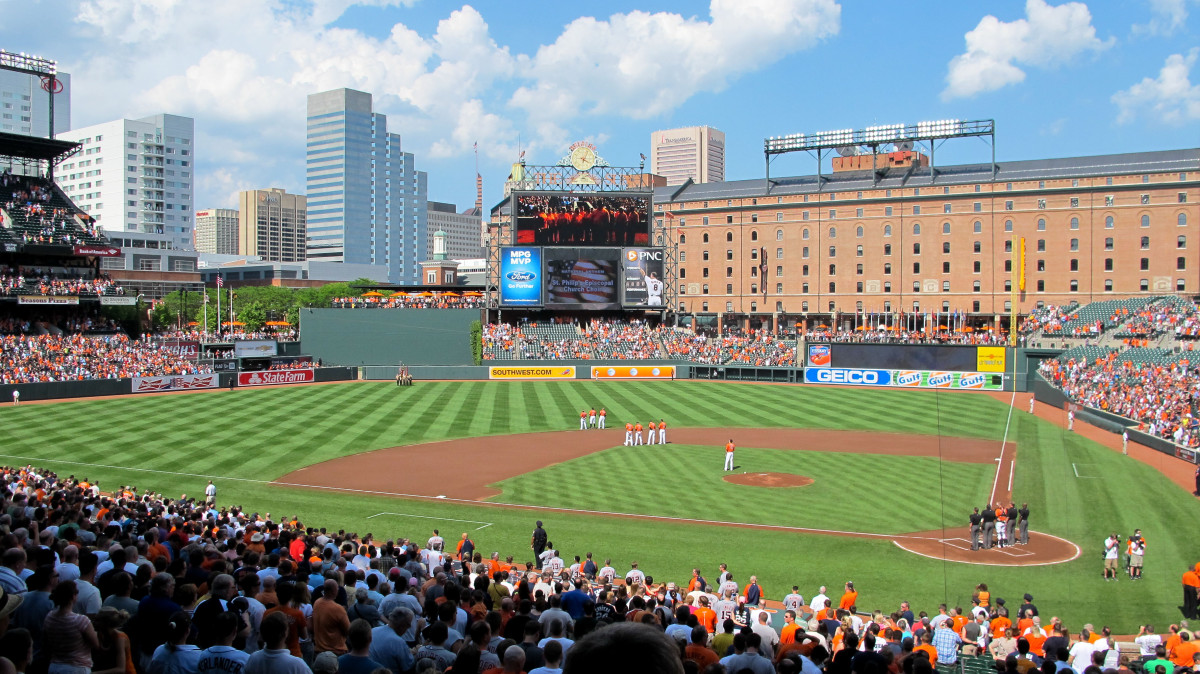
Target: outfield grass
{"x":174,"y":443}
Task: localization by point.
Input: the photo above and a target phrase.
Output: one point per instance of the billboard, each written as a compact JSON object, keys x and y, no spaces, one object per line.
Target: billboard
{"x":539,"y":372}
{"x":520,"y":277}
{"x":184,"y":348}
{"x":255,"y":348}
{"x":936,"y":379}
{"x":183,"y":382}
{"x":642,"y":273}
{"x":869,"y":356}
{"x":581,"y":279}
{"x":612,"y":219}
{"x":272,"y":377}
{"x":633,"y":372}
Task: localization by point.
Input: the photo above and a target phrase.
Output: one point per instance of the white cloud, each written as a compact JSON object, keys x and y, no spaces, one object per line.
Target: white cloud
{"x":997,"y":50}
{"x":640,"y":65}
{"x":1171,"y":97}
{"x":1166,"y":17}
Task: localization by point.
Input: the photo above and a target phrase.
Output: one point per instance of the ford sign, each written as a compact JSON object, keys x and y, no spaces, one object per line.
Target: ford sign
{"x":520,"y":276}
{"x":825,"y":375}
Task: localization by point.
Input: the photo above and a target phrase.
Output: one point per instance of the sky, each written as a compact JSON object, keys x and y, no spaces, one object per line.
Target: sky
{"x":1060,"y":78}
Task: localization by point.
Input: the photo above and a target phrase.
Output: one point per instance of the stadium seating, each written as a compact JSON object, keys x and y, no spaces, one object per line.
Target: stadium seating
{"x":36,"y":211}
{"x":58,"y":357}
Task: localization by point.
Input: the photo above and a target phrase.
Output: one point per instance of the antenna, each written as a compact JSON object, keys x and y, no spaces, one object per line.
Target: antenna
{"x":904,"y":145}
{"x":847,"y":150}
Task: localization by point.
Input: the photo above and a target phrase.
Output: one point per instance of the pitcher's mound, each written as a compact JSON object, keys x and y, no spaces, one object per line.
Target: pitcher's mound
{"x":769,"y":479}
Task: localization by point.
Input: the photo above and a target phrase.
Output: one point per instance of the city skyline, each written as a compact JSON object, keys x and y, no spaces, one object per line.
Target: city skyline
{"x":1060,"y":78}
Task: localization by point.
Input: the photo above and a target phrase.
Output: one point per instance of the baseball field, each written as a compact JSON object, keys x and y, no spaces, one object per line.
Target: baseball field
{"x":888,"y":480}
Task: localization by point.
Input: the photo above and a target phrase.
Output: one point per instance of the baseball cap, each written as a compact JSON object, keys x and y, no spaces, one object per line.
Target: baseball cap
{"x":1028,"y":597}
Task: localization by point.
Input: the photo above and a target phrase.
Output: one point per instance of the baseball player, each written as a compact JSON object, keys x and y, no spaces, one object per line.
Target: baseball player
{"x":662,"y":432}
{"x":1031,"y":402}
{"x":628,"y":434}
{"x":600,"y":421}
{"x":1071,"y":420}
{"x":650,"y":433}
{"x":583,"y":424}
{"x":637,"y":433}
{"x":592,"y":418}
{"x":729,"y":455}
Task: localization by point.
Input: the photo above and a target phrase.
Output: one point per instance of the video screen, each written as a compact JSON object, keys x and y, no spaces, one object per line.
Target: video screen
{"x":643,"y":274}
{"x":572,"y":282}
{"x":583,"y":220}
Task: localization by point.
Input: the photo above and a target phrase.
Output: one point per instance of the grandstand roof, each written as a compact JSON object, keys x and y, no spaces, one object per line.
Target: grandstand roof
{"x":32,"y":147}
{"x":1035,"y":169}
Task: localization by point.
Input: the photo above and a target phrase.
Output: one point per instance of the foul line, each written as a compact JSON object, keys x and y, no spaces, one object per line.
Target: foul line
{"x":431,"y":517}
{"x":1081,"y":477}
{"x":523,"y":506}
{"x":1003,"y":442}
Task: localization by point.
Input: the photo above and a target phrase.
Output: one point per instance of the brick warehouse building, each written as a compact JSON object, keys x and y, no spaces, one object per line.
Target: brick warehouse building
{"x":1093,"y":227}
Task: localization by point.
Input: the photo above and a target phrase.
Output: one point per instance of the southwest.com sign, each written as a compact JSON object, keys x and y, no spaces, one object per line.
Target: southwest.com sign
{"x":559,"y":372}
{"x":957,"y":381}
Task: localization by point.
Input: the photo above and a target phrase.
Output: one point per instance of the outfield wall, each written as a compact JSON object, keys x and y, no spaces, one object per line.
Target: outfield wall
{"x":95,"y":388}
{"x":357,"y":337}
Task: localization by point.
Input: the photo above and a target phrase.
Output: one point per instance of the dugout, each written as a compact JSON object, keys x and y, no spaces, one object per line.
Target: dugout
{"x":358,"y":337}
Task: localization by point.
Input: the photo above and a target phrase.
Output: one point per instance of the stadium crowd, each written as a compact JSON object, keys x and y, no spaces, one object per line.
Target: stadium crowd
{"x":1180,"y":319}
{"x":893,"y":336}
{"x":1049,"y":319}
{"x":135,"y":582}
{"x":424,"y":300}
{"x":76,"y":357}
{"x":288,"y":334}
{"x":91,"y":322}
{"x":1162,"y":398}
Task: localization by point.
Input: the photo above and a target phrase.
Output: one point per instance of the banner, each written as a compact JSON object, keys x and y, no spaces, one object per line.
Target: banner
{"x":520,"y":276}
{"x":643,"y":274}
{"x":117,"y":301}
{"x":990,"y":359}
{"x":633,"y":372}
{"x":819,"y":355}
{"x":956,"y":381}
{"x":99,"y":251}
{"x":189,"y":349}
{"x":508,"y":372}
{"x":271,"y":377}
{"x":183,"y":382}
{"x":255,"y":348}
{"x":47,"y":299}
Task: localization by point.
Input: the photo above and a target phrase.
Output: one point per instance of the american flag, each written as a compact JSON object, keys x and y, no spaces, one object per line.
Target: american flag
{"x":220,"y":281}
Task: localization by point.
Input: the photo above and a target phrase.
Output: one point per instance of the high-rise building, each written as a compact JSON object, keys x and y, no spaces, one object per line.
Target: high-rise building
{"x":463,"y":238}
{"x":696,"y":152}
{"x":136,"y":175}
{"x":25,"y":105}
{"x":366,"y":198}
{"x":272,"y":225}
{"x":217,"y":231}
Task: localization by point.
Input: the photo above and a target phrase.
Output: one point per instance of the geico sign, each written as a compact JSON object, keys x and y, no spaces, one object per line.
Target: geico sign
{"x":838,"y":376}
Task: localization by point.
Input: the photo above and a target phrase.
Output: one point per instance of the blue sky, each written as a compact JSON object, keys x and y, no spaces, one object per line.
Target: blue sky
{"x":1059,"y":78}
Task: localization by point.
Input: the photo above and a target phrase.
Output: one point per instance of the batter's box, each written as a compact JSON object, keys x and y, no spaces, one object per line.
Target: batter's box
{"x":1015,"y":552}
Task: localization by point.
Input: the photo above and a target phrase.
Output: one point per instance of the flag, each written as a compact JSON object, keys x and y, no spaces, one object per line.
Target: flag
{"x":670,"y":215}
{"x":220,"y":281}
{"x":642,"y":155}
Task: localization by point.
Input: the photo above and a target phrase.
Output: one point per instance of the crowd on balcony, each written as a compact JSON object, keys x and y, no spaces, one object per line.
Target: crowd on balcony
{"x":1050,"y":319}
{"x":1162,"y":398}
{"x":125,"y":580}
{"x":419,"y":300}
{"x":937,"y":335}
{"x":77,"y":357}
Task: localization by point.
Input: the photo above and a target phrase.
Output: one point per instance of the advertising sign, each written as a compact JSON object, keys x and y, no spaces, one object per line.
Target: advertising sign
{"x":990,"y":359}
{"x":183,"y":382}
{"x":255,"y":348}
{"x":520,"y":276}
{"x":544,"y":372}
{"x":189,"y":349}
{"x":633,"y":372}
{"x":819,"y":355}
{"x":573,"y":282}
{"x":117,"y":301}
{"x":99,"y":251}
{"x":271,"y":377}
{"x":47,"y":299}
{"x":643,"y":272}
{"x":832,"y":375}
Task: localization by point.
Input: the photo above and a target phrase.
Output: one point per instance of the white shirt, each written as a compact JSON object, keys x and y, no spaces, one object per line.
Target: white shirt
{"x":1082,"y":652}
{"x":1147,"y":642}
{"x":1110,"y":549}
{"x":818,"y":602}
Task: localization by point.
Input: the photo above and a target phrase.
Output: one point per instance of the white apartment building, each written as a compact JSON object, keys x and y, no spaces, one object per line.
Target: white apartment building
{"x":217,"y":231}
{"x":463,"y":230}
{"x":136,"y":175}
{"x":25,"y":105}
{"x":696,"y":152}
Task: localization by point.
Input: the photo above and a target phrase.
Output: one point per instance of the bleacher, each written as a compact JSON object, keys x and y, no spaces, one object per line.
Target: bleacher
{"x":36,"y":211}
{"x":1089,"y":352}
{"x":1150,"y":356}
{"x":1107,"y":314}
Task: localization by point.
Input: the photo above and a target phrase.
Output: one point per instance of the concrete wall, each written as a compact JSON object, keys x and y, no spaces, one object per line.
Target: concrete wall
{"x":357,"y":337}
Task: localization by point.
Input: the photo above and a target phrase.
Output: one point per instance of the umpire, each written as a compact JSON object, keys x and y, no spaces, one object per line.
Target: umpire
{"x":976,"y":520}
{"x":538,"y":543}
{"x":989,"y":525}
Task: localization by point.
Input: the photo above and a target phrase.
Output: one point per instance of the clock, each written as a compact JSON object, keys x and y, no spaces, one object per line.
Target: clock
{"x":583,"y":158}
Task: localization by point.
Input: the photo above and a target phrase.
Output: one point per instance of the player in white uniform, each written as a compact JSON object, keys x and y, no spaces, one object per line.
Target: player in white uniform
{"x":637,"y":433}
{"x":603,"y":415}
{"x":794,"y":602}
{"x":583,"y":422}
{"x":650,"y":436}
{"x":592,"y":418}
{"x":725,"y":608}
{"x":662,"y":432}
{"x":628,"y":434}
{"x":654,"y":289}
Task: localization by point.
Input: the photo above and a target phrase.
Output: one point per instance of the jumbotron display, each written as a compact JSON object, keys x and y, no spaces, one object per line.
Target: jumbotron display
{"x":613,"y":219}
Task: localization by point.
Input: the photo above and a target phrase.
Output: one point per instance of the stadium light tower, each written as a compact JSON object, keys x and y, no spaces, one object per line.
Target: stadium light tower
{"x":44,"y":69}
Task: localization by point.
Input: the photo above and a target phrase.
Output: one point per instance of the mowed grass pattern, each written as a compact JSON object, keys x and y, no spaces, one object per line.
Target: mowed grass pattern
{"x":260,"y":434}
{"x":840,"y":480}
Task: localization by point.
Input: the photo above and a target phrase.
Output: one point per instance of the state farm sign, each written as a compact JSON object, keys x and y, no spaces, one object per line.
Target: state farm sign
{"x":272,"y":377}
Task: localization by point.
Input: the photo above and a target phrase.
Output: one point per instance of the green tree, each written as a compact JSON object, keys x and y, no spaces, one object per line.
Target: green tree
{"x":252,"y":315}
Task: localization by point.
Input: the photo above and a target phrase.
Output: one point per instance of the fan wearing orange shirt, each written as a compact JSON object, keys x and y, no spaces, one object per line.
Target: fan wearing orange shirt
{"x":927,"y":647}
{"x":1000,"y":623}
{"x":850,"y":600}
{"x":706,"y":616}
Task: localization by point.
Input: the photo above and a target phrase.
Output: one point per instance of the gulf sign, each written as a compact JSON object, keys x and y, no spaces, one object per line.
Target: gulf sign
{"x":273,"y":377}
{"x":520,"y":276}
{"x":833,"y":375}
{"x":819,"y":355}
{"x":539,"y":372}
{"x":907,"y":378}
{"x":633,"y":372}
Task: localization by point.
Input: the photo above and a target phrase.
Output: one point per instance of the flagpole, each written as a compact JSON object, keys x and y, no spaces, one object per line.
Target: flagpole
{"x":218,"y":307}
{"x":205,"y":324}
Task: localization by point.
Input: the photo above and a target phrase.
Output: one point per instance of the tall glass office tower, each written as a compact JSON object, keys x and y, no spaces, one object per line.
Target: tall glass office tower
{"x":366,"y":201}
